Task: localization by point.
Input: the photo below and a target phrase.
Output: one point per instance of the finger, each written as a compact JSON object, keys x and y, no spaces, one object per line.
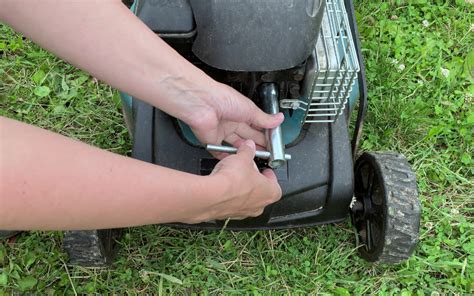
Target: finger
{"x":257,"y":213}
{"x":216,"y":169}
{"x":231,"y":218}
{"x":247,"y":132}
{"x":242,"y":109}
{"x":247,"y":150}
{"x":273,"y":184}
{"x":260,"y":129}
{"x":219,"y":155}
{"x":235,"y":140}
{"x":270,"y":174}
{"x":240,"y":142}
{"x":265,"y":120}
{"x":238,"y":218}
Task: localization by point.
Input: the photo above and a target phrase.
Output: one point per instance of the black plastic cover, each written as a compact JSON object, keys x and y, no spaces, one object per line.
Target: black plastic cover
{"x":166,"y":16}
{"x":250,"y":35}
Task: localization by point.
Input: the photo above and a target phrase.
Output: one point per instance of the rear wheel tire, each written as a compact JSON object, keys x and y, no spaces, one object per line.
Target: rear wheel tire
{"x":91,"y":248}
{"x":386,"y":212}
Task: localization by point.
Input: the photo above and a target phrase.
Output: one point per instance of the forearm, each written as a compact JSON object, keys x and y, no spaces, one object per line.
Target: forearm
{"x":105,"y":39}
{"x":51,"y":182}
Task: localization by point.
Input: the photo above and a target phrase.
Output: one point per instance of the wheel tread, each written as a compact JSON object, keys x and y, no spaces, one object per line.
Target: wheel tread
{"x":403,"y":214}
{"x":85,"y":247}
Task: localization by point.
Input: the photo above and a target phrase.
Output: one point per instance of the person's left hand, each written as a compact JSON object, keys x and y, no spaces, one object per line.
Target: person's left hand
{"x":227,"y":116}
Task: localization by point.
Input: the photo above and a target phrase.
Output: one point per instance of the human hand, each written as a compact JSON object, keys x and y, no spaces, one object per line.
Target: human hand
{"x":246,"y":190}
{"x":225,"y":115}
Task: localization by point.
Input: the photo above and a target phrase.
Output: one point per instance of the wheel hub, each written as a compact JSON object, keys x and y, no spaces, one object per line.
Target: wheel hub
{"x":367,"y":212}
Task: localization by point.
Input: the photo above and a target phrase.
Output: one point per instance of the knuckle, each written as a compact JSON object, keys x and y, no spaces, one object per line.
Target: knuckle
{"x":252,"y":112}
{"x":256,"y":213}
{"x":276,"y":195}
{"x":274,"y":191}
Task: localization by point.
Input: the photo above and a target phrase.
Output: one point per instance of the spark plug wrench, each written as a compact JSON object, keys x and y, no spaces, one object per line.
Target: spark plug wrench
{"x":233,"y":150}
{"x":269,"y":96}
{"x":276,"y":154}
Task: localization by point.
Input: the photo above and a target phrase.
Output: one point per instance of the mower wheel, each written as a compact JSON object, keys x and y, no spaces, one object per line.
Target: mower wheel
{"x":386,"y":210}
{"x":91,"y":248}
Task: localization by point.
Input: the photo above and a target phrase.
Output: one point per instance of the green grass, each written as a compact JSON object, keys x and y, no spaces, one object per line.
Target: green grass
{"x":414,"y":109}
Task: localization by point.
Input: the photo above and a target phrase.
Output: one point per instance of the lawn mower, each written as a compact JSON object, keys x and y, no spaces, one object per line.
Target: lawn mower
{"x":299,"y":57}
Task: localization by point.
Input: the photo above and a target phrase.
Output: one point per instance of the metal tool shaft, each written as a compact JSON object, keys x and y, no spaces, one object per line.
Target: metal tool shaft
{"x":233,"y":150}
{"x":269,"y":96}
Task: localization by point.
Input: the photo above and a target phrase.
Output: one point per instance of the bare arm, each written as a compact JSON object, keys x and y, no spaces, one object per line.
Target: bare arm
{"x":51,"y":182}
{"x":104,"y":38}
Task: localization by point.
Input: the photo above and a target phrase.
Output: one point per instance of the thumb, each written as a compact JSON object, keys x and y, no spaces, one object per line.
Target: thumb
{"x":242,"y":109}
{"x":274,"y":183}
{"x":265,"y":120}
{"x":247,"y":150}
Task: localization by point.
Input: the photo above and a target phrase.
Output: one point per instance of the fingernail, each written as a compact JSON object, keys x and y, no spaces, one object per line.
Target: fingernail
{"x":250,"y":143}
{"x":280,"y":116}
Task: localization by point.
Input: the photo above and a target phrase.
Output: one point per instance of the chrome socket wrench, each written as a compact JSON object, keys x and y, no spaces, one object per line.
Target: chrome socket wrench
{"x":269,"y":97}
{"x":276,"y":155}
{"x":233,"y":150}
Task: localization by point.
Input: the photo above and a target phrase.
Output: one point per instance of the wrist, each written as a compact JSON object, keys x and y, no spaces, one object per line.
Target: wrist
{"x":220,"y":189}
{"x":188,"y":98}
{"x":209,"y":192}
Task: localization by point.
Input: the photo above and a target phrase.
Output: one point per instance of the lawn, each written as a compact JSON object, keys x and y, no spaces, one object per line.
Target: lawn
{"x":420,"y":72}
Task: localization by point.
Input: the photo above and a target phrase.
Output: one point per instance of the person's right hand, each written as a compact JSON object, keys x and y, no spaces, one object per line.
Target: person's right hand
{"x":247,"y":190}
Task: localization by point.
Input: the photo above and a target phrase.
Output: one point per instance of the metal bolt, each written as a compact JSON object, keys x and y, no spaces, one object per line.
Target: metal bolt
{"x":298,"y":74}
{"x":295,"y":91}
